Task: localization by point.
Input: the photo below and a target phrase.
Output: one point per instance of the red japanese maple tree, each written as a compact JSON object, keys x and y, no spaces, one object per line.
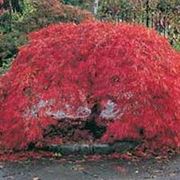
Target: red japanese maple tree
{"x":122,"y":78}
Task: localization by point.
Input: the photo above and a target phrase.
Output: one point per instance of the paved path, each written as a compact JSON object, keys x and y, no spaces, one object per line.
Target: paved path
{"x":83,"y":170}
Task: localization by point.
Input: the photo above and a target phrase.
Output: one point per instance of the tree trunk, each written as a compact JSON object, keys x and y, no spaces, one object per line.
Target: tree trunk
{"x":147,"y":13}
{"x":95,"y":6}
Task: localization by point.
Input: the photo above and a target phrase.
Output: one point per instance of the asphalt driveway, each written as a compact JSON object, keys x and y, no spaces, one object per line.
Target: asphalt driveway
{"x":71,"y":169}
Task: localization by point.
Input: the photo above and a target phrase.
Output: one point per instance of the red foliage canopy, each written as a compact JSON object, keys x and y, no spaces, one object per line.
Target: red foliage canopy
{"x":126,"y":78}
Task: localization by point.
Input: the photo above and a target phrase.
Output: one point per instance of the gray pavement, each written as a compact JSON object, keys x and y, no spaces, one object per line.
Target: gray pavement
{"x":70,"y":169}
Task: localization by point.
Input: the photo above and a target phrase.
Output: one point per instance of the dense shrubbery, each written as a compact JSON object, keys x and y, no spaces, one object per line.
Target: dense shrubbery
{"x":9,"y":44}
{"x":93,"y":81}
{"x":36,"y":14}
